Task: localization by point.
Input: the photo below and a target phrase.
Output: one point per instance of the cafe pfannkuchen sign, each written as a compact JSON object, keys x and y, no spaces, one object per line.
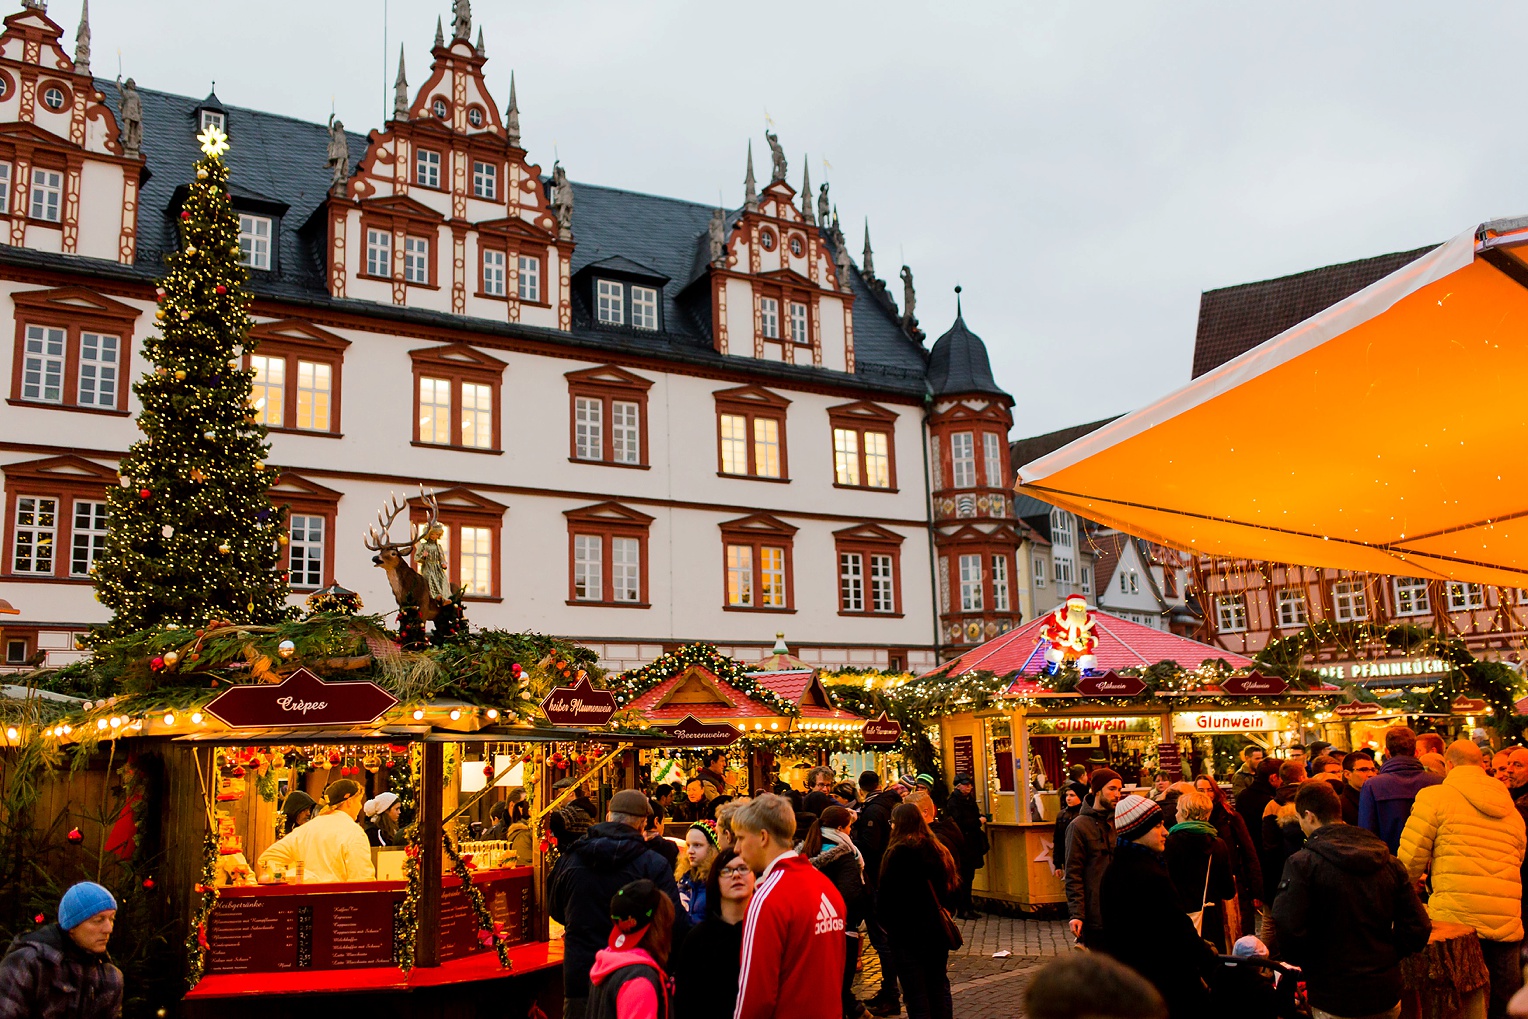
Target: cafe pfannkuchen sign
{"x":299,"y":700}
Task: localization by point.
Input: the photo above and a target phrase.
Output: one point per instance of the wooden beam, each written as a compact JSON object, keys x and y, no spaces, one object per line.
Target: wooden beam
{"x":431,"y":832}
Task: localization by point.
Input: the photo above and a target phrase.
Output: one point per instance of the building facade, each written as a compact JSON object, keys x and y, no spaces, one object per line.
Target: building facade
{"x":646,"y":421}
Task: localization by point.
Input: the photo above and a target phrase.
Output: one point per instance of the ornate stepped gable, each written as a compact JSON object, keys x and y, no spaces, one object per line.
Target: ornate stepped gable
{"x":55,"y":131}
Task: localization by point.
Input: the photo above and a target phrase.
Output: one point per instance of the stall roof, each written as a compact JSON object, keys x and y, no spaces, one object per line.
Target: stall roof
{"x":700,"y":692}
{"x":1432,"y":350}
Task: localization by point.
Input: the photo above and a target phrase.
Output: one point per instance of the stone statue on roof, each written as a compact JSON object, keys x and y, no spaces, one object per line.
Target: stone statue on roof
{"x":131,"y":107}
{"x":845,"y":267}
{"x":776,"y":153}
{"x":562,"y":201}
{"x":717,"y":234}
{"x":339,"y":153}
{"x":461,"y":19}
{"x":823,"y":206}
{"x":909,"y":300}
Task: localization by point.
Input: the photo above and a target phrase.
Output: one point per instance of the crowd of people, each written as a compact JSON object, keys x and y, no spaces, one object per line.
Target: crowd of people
{"x":1327,"y":867}
{"x":764,"y":911}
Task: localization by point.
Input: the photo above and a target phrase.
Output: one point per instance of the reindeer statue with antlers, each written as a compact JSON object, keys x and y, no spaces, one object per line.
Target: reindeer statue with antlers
{"x":410,"y":587}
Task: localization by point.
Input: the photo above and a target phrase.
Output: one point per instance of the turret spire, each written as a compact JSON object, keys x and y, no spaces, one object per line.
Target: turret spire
{"x":512,"y":116}
{"x":82,"y":40}
{"x":479,"y":46}
{"x":867,"y":261}
{"x":958,"y":315}
{"x":401,"y":91}
{"x":440,"y":35}
{"x":806,"y":189}
{"x":750,"y":185}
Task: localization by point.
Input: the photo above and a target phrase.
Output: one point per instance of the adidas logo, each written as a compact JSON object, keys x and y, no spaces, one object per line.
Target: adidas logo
{"x":827,"y":918}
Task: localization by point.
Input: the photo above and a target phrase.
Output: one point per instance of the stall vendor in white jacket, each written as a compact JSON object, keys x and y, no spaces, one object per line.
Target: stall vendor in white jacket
{"x":332,"y":846}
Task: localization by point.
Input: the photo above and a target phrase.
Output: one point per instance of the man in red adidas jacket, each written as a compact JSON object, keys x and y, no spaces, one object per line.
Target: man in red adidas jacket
{"x":793,"y":939}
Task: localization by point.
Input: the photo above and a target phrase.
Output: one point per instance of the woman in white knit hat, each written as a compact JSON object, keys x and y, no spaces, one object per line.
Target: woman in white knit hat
{"x":381,"y":823}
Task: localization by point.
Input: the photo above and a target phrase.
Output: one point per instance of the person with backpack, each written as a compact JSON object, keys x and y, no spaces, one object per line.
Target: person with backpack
{"x":627,"y":980}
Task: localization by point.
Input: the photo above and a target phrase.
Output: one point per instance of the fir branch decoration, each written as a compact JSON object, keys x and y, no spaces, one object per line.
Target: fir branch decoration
{"x":487,"y":930}
{"x":197,"y":943}
{"x":629,"y":686}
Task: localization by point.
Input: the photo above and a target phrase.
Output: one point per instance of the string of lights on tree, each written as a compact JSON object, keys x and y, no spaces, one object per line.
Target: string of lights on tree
{"x":629,"y":686}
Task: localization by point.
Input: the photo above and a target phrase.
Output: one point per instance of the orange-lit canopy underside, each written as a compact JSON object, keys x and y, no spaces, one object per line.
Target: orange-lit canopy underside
{"x":1388,"y":433}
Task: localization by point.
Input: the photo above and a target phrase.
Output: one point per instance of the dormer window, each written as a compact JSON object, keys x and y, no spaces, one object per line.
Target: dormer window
{"x":427,"y":168}
{"x":798,"y":245}
{"x":644,"y":307}
{"x":612,"y":303}
{"x":212,"y":118}
{"x":53,"y":98}
{"x":255,"y":241}
{"x":619,"y":291}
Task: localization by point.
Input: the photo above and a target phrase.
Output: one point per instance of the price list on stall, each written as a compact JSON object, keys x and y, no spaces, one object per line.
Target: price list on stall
{"x":508,"y":898}
{"x":285,"y":930}
{"x":253,"y":935}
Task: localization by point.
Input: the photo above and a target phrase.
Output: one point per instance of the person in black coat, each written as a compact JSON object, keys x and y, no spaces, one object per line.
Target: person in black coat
{"x":1068,"y":813}
{"x":1251,"y":801}
{"x":610,"y":856}
{"x":1200,"y":865}
{"x":832,"y":851}
{"x":915,"y":873}
{"x":1246,"y":865}
{"x":706,"y":968}
{"x":1144,"y":925}
{"x":870,"y":832}
{"x":962,"y":809}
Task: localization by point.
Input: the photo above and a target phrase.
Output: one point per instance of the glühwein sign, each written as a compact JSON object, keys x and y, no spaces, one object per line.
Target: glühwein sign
{"x":579,"y":704}
{"x":1111,"y":684}
{"x":1464,"y":704}
{"x":300,"y":699}
{"x":1255,"y":684}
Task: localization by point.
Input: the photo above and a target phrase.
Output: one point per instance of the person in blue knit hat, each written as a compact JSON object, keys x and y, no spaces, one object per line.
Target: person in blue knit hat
{"x":63,"y":968}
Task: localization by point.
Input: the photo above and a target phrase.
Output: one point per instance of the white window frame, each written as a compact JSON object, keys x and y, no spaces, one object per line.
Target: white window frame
{"x":1000,"y":598}
{"x":883,"y":584}
{"x":1293,"y":610}
{"x":766,"y":447}
{"x":100,"y":358}
{"x":851,"y":581}
{"x":427,"y":168}
{"x":846,"y":456}
{"x":88,"y":535}
{"x":1039,"y":570}
{"x":1350,"y":602}
{"x":493,"y":272}
{"x":740,"y":590}
{"x":963,"y":460}
{"x":528,"y":283}
{"x":1230,"y":613}
{"x":644,"y":308}
{"x":588,"y":567}
{"x":37,"y":522}
{"x":588,"y":428}
{"x":734,"y":444}
{"x":474,"y":561}
{"x":379,"y":253}
{"x":972,"y":597}
{"x":1063,"y":565}
{"x":305,"y":542}
{"x":625,"y":569}
{"x":47,"y":194}
{"x":63,"y":100}
{"x":255,"y":241}
{"x":877,"y":459}
{"x":416,"y":259}
{"x":485,"y":180}
{"x":1085,"y":575}
{"x":1412,"y":597}
{"x":212,"y":118}
{"x":1465,"y":597}
{"x":769,"y":318}
{"x":610,"y":302}
{"x":800,"y":323}
{"x":1061,"y":528}
{"x":625,"y":431}
{"x":771,"y":575}
{"x":992,"y":459}
{"x":5,"y":187}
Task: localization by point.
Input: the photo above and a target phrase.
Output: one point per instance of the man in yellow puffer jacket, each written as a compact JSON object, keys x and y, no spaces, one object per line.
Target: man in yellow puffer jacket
{"x":1469,"y":836}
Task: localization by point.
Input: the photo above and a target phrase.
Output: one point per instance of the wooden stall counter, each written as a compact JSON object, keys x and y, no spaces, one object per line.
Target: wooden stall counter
{"x":1020,"y":865}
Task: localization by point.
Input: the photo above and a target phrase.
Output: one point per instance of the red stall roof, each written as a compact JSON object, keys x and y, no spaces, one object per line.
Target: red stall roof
{"x":700,"y":692}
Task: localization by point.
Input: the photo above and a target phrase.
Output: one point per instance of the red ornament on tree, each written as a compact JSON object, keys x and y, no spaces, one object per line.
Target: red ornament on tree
{"x":185,"y":214}
{"x":144,"y":493}
{"x":157,"y":663}
{"x":148,"y":882}
{"x":238,"y":773}
{"x":75,"y":836}
{"x":488,"y":771}
{"x":39,"y":918}
{"x":220,"y":289}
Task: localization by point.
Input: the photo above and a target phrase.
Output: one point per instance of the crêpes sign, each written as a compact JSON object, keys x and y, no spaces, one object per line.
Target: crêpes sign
{"x":300,"y":699}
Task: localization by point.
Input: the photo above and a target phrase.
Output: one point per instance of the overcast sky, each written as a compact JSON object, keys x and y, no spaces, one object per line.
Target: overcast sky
{"x":1083,"y":170}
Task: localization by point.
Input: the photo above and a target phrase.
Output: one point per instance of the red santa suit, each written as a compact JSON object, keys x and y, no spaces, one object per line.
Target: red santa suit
{"x":793,"y":945}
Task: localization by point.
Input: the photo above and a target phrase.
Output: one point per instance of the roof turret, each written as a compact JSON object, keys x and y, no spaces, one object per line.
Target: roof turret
{"x":958,"y":362}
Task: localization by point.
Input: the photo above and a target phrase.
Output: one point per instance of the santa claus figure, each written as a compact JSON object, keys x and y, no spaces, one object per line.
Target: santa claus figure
{"x":1069,"y":630}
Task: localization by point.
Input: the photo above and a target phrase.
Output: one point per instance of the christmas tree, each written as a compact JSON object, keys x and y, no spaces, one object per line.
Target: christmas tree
{"x":193,"y":536}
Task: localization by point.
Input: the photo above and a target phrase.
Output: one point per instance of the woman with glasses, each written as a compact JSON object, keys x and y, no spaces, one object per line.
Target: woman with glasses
{"x":706,"y":974}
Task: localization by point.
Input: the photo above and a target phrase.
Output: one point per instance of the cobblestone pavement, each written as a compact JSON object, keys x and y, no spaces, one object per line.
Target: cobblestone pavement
{"x":983,"y":987}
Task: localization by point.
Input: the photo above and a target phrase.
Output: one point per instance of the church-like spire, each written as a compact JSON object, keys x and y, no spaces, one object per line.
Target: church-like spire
{"x":479,"y":46}
{"x":750,"y":185}
{"x":82,"y":40}
{"x":867,"y":262}
{"x":440,"y":34}
{"x":512,"y":115}
{"x":806,"y":189}
{"x":401,"y":91}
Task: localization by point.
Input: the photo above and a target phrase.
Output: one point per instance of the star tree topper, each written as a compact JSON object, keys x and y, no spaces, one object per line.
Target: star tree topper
{"x":214,"y":141}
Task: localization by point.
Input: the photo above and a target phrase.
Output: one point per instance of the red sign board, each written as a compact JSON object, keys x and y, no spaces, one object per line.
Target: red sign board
{"x":881,"y":732}
{"x":1464,"y":704}
{"x":692,"y":732}
{"x":1254,"y":684}
{"x":1356,"y":709}
{"x":300,"y":699}
{"x":580,"y":704}
{"x":1111,"y":684}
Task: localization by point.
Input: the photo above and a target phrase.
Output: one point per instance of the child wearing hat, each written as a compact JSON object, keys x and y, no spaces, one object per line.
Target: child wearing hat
{"x":628,"y":979}
{"x":51,"y":970}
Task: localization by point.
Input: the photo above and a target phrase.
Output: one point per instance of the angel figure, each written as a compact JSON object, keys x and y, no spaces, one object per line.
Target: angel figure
{"x":430,"y":556}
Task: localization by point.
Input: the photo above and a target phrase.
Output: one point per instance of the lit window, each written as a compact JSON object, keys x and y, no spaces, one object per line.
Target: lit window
{"x":1230,"y":613}
{"x":644,"y":307}
{"x":992,"y":459}
{"x":625,"y":433}
{"x":268,"y":389}
{"x":485,"y":179}
{"x":416,"y":260}
{"x":1462,"y":597}
{"x":851,"y":581}
{"x":493,"y":272}
{"x":769,"y":318}
{"x":772,"y":577}
{"x":739,"y":575}
{"x":42,"y":373}
{"x":36,"y":529}
{"x":766,"y":447}
{"x":877,"y":459}
{"x":962,"y":460}
{"x":588,"y":567}
{"x":846,"y":456}
{"x":314,"y":387}
{"x":255,"y":241}
{"x":212,"y":118}
{"x":5,"y":186}
{"x":1349,"y":602}
{"x":1039,"y":571}
{"x":89,"y":536}
{"x":1292,"y":607}
{"x":47,"y":190}
{"x":306,"y":542}
{"x":435,"y":410}
{"x":588,"y":428}
{"x":626,"y":569}
{"x":612,"y":303}
{"x":530,"y":278}
{"x":971,"y":599}
{"x":477,"y":415}
{"x":1411,"y":597}
{"x":53,"y":98}
{"x":98,"y":370}
{"x":734,"y":428}
{"x":427,"y":168}
{"x":1000,"y":583}
{"x":476,"y":561}
{"x":379,"y":253}
{"x":799,"y":333}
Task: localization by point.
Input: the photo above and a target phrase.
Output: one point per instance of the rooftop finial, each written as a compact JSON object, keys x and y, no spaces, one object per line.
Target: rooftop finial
{"x":957,"y":301}
{"x":401,"y":90}
{"x":35,"y":5}
{"x":479,"y":46}
{"x":461,"y":19}
{"x":806,"y":188}
{"x":82,"y":40}
{"x":780,"y":648}
{"x":867,"y":265}
{"x":512,"y":117}
{"x":440,"y":35}
{"x":750,"y":185}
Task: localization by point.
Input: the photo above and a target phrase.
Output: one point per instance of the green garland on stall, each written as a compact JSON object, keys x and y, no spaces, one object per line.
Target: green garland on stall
{"x":197,"y":943}
{"x":406,"y":915}
{"x":629,"y":686}
{"x":475,"y":897}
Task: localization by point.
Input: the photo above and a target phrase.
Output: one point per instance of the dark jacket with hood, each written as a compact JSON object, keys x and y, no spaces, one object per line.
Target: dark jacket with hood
{"x":962,"y":809}
{"x":45,"y":975}
{"x":1058,"y":840}
{"x":1145,"y":927}
{"x":1089,"y":848}
{"x":1250,"y":803}
{"x":1347,"y":914}
{"x":840,"y":865}
{"x":1349,"y":797}
{"x":706,"y":970}
{"x":872,"y":831}
{"x":1195,"y":851}
{"x":1385,"y":801}
{"x":587,"y":876}
{"x":1281,"y":838}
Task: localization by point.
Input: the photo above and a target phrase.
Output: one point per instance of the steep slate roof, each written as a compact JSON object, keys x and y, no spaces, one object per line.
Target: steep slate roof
{"x":958,"y":363}
{"x":282,"y":159}
{"x":1233,"y":320}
